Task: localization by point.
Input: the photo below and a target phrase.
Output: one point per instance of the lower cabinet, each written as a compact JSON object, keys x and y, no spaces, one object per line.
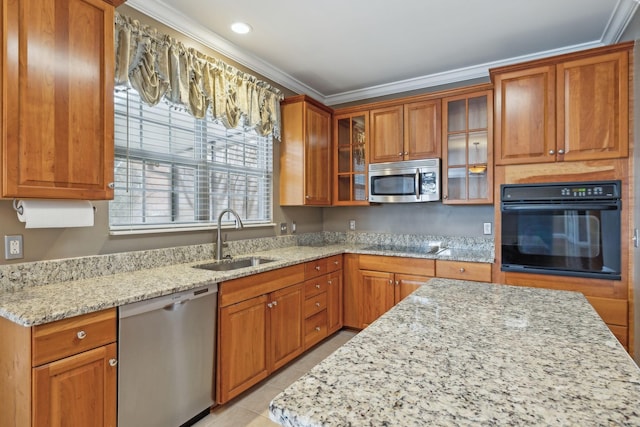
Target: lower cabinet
{"x":61,"y":373}
{"x":268,"y":319}
{"x":374,"y":284}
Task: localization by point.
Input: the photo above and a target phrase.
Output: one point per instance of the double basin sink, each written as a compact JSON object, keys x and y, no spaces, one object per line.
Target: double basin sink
{"x":234,"y":264}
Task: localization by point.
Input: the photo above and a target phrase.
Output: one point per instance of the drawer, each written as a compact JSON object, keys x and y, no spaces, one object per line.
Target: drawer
{"x":315,"y":329}
{"x":322,"y":266}
{"x":315,"y":304}
{"x":622,"y":333}
{"x":315,"y":286}
{"x":479,"y":272}
{"x":393,"y":264}
{"x":612,"y":311}
{"x":56,"y":340}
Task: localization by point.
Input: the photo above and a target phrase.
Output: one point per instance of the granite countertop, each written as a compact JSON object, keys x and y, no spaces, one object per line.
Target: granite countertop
{"x":34,"y":305}
{"x":457,"y":353}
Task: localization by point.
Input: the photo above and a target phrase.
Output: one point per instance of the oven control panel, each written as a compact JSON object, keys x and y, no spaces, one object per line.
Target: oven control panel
{"x":561,"y":191}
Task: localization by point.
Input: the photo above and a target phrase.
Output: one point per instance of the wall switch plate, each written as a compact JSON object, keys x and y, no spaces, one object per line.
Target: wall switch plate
{"x":293,"y":227}
{"x":487,"y":228}
{"x":283,"y":228}
{"x":13,"y":247}
{"x":352,"y":224}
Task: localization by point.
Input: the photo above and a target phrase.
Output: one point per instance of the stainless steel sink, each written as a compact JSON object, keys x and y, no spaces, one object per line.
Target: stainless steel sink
{"x":234,"y":264}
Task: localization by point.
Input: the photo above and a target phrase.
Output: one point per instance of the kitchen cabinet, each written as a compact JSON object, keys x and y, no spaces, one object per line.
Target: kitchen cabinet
{"x":351,"y":131}
{"x":323,"y":299}
{"x":305,"y":153}
{"x":406,"y":132}
{"x":387,"y":140}
{"x":58,"y":99}
{"x":467,"y":126}
{"x":60,"y":373}
{"x":463,"y":270}
{"x":565,"y":108}
{"x":373,"y":284}
{"x":260,"y":320}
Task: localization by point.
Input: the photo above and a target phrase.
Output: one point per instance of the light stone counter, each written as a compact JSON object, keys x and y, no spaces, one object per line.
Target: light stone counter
{"x":458,"y":353}
{"x":83,"y":287}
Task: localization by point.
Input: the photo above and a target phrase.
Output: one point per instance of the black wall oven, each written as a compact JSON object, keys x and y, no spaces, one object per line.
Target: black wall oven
{"x":568,"y":229}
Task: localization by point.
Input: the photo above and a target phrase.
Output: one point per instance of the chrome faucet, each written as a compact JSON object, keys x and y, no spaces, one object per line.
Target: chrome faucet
{"x":239,"y":225}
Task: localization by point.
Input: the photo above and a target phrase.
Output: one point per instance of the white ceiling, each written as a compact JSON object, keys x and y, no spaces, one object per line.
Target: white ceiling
{"x":340,"y":51}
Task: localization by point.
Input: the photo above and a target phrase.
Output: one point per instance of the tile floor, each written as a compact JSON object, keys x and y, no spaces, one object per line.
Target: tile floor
{"x":251,"y":409}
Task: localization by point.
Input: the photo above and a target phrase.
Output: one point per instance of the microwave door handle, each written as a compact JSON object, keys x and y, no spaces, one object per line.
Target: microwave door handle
{"x":416,"y":184}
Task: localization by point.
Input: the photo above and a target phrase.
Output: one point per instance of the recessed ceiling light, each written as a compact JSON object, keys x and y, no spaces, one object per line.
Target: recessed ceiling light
{"x":240,"y":27}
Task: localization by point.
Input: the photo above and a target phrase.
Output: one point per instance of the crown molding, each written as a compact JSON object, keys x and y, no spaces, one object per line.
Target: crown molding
{"x":620,"y":18}
{"x":158,"y":10}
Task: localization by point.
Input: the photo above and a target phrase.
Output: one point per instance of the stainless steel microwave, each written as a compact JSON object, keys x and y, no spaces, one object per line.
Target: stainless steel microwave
{"x":405,"y":182}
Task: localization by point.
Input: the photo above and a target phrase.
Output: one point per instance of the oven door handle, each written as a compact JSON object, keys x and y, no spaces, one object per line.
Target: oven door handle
{"x":416,"y":184}
{"x":606,"y":206}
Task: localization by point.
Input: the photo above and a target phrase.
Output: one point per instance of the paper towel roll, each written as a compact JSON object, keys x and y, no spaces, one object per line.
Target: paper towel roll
{"x":55,"y":213}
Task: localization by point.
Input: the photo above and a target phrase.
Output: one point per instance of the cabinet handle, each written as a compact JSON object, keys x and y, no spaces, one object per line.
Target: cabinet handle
{"x":307,"y":197}
{"x":329,"y":281}
{"x":318,"y":328}
{"x":552,"y":152}
{"x":270,"y":305}
{"x":317,"y":304}
{"x":560,"y":151}
{"x":275,"y":303}
{"x":336,"y":262}
{"x":391,"y":282}
{"x":406,"y":153}
{"x":397,"y":283}
{"x":317,"y":286}
{"x":81,"y":335}
{"x":113,"y":362}
{"x":318,"y":267}
{"x":111,"y":185}
{"x":461,"y":269}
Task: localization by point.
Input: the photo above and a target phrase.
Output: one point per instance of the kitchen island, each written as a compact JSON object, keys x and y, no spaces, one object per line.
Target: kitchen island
{"x":468,"y":353}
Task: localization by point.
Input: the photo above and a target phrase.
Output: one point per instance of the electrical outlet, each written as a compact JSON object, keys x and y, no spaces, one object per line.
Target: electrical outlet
{"x":283,"y":228}
{"x":352,"y":224}
{"x":293,"y":227}
{"x":487,"y":228}
{"x":13,"y":247}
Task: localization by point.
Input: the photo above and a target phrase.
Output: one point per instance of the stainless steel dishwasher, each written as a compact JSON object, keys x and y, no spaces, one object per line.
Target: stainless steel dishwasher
{"x":166,"y":359}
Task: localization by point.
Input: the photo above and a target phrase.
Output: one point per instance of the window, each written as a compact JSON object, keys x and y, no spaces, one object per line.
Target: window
{"x":173,"y":171}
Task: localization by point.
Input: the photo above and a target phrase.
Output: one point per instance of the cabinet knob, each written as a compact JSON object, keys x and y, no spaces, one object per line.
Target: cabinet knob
{"x":113,"y":362}
{"x":406,"y":153}
{"x":111,"y":185}
{"x":397,"y":283}
{"x":317,"y":304}
{"x":336,"y":262}
{"x":318,"y":328}
{"x":318,"y":267}
{"x":560,"y":151}
{"x":317,"y":286}
{"x":275,"y":303}
{"x":552,"y":152}
{"x":391,"y":282}
{"x":329,"y":281}
{"x":400,"y":154}
{"x":307,"y":197}
{"x":461,"y":269}
{"x":270,"y":305}
{"x":81,"y":335}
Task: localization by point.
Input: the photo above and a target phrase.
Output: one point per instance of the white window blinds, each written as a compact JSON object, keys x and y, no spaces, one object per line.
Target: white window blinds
{"x":173,"y":171}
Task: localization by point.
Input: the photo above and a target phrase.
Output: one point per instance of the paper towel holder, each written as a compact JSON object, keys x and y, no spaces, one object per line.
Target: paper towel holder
{"x":20,"y":210}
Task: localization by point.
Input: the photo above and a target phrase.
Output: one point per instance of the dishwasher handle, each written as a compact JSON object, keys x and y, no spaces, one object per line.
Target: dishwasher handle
{"x":167,"y":302}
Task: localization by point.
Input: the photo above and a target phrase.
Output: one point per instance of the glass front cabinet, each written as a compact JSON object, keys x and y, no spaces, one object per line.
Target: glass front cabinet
{"x":351,"y":162}
{"x":467,"y":129}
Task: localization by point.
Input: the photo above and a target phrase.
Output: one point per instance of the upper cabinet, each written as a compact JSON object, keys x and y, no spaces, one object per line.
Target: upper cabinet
{"x":57,"y":99}
{"x":350,"y":135}
{"x":305,"y":153}
{"x":405,"y":132}
{"x":571,"y":107}
{"x":467,"y":149}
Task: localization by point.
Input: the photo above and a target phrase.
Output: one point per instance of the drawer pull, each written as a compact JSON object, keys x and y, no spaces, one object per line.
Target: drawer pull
{"x":317,"y":304}
{"x":270,"y":305}
{"x":317,"y":286}
{"x":318,"y":267}
{"x":461,"y":269}
{"x":81,"y":335}
{"x":336,"y":262}
{"x":113,"y":362}
{"x":275,"y":303}
{"x":329,"y":281}
{"x":318,"y":328}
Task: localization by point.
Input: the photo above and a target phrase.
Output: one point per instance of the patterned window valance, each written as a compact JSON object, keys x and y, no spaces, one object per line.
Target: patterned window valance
{"x":158,"y":66}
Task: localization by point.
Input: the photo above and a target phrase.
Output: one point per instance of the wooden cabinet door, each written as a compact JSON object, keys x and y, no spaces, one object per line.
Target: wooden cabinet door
{"x":593,"y":107}
{"x":387,"y":141}
{"x":377,"y":294}
{"x":58,"y":98}
{"x":286,"y":337}
{"x":317,"y":157}
{"x":242,"y":346}
{"x":406,"y":284}
{"x":334,"y":301}
{"x":77,"y":391}
{"x":422,"y":130}
{"x":525,"y":116}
